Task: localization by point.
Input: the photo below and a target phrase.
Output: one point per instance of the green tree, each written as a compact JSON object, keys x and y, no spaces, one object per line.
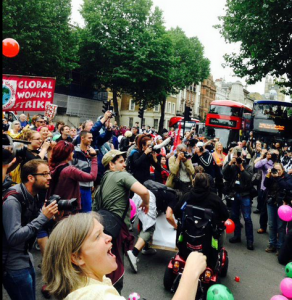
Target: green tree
{"x":188,"y":66}
{"x":110,"y":42}
{"x":47,"y":42}
{"x":263,"y":28}
{"x":152,"y":61}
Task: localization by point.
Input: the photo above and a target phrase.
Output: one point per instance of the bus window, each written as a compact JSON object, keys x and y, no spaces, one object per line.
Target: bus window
{"x":225,"y":110}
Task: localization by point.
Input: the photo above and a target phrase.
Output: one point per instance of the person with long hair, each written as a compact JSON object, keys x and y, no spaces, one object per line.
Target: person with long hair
{"x":36,"y":149}
{"x":78,"y":256}
{"x":65,"y":177}
{"x":15,"y":130}
{"x":219,"y":158}
{"x":144,"y":158}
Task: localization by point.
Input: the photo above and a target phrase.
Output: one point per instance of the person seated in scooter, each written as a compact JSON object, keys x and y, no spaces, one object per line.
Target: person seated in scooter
{"x":200,"y":195}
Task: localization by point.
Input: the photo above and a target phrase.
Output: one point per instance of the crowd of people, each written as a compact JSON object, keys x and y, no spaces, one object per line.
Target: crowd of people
{"x":69,"y":188}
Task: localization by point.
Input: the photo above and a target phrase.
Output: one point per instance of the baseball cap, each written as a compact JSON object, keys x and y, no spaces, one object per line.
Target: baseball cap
{"x":200,"y":144}
{"x":110,"y":156}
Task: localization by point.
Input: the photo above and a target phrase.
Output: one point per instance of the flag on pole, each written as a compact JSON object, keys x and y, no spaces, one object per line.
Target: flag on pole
{"x":177,"y":138}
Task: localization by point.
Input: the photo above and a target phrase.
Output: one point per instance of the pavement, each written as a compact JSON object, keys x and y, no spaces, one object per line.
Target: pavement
{"x":260,"y":273}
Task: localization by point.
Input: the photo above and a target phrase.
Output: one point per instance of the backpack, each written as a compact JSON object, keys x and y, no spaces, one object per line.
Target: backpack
{"x":129,"y":163}
{"x":162,"y":193}
{"x":27,"y":214}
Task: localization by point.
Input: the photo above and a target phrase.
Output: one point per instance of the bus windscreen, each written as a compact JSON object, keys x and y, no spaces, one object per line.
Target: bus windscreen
{"x":273,"y":120}
{"x":226,"y":135}
{"x":225,"y":110}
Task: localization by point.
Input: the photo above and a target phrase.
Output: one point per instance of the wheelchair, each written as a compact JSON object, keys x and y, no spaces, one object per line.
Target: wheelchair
{"x":198,"y":231}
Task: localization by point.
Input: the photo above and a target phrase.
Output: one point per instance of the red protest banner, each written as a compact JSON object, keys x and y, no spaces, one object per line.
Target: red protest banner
{"x":27,"y":93}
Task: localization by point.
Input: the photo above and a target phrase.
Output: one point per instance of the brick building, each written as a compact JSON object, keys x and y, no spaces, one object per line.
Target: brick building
{"x":208,"y":93}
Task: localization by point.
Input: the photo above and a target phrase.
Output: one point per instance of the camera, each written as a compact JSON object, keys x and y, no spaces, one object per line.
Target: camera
{"x":274,"y":171}
{"x":187,"y":155}
{"x":153,"y":148}
{"x":49,"y":139}
{"x":69,"y":205}
{"x":239,"y":160}
{"x":5,"y":127}
{"x":113,"y":114}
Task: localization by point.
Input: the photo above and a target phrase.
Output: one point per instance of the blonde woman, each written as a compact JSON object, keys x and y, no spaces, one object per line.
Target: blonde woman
{"x":35,"y":150}
{"x":219,"y":158}
{"x":218,"y":155}
{"x":78,"y":256}
{"x":15,"y":130}
{"x":126,"y":143}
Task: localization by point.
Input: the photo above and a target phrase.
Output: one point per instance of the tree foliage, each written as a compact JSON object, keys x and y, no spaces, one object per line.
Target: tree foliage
{"x":47,"y":42}
{"x":188,"y":66}
{"x":264,"y":28}
{"x":123,"y":47}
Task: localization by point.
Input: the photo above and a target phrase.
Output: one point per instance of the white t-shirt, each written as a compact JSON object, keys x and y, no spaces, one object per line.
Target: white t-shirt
{"x":96,"y":290}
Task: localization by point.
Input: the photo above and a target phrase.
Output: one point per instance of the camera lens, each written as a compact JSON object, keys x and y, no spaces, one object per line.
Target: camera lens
{"x":67,"y":204}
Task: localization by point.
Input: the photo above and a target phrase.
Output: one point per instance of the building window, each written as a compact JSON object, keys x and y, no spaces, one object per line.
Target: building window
{"x":130,"y":122}
{"x":155,"y":123}
{"x":173,"y":108}
{"x":132,"y":105}
{"x":156,"y":108}
{"x":169,"y":107}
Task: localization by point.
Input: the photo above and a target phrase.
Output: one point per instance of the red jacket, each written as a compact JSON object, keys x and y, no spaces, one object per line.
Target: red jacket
{"x":68,"y":184}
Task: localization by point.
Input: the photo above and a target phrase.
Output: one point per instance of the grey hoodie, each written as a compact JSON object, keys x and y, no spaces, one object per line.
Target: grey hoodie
{"x":15,"y":236}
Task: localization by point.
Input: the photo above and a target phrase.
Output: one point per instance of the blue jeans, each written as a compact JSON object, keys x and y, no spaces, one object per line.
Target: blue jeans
{"x":20,"y":284}
{"x":277,"y":227}
{"x":86,"y":200}
{"x":243,"y":204}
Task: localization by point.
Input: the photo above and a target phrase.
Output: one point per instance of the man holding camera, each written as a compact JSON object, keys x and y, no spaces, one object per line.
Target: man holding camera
{"x":239,"y":176}
{"x":205,"y":159}
{"x":181,"y":170}
{"x":22,"y":220}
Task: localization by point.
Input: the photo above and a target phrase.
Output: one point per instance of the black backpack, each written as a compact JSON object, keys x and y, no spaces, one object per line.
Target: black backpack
{"x":129,"y":163}
{"x":27,"y":213}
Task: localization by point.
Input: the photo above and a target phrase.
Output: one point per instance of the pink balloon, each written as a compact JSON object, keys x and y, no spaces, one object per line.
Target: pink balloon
{"x":285,"y":213}
{"x":278,"y":297}
{"x":286,"y":287}
{"x":133,"y":209}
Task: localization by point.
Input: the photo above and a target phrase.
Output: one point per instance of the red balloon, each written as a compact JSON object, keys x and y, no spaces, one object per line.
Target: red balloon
{"x":237,"y":278}
{"x":230,"y":226}
{"x":10,"y":47}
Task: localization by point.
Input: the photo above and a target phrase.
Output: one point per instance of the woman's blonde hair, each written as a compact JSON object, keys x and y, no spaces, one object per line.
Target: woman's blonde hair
{"x":60,"y":274}
{"x":216,"y":146}
{"x":128,"y":134}
{"x":28,"y":135}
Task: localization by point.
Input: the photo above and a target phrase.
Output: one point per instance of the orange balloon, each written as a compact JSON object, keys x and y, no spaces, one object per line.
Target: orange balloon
{"x":10,"y":47}
{"x":230,"y":226}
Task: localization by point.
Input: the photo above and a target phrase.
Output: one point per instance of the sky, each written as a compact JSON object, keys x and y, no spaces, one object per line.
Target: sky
{"x":196,"y":18}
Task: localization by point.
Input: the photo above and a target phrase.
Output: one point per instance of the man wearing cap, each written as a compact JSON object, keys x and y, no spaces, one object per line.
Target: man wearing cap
{"x":113,"y":196}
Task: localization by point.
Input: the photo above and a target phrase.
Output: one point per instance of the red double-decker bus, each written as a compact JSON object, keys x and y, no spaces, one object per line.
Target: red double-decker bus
{"x":229,"y":121}
{"x":174,"y":122}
